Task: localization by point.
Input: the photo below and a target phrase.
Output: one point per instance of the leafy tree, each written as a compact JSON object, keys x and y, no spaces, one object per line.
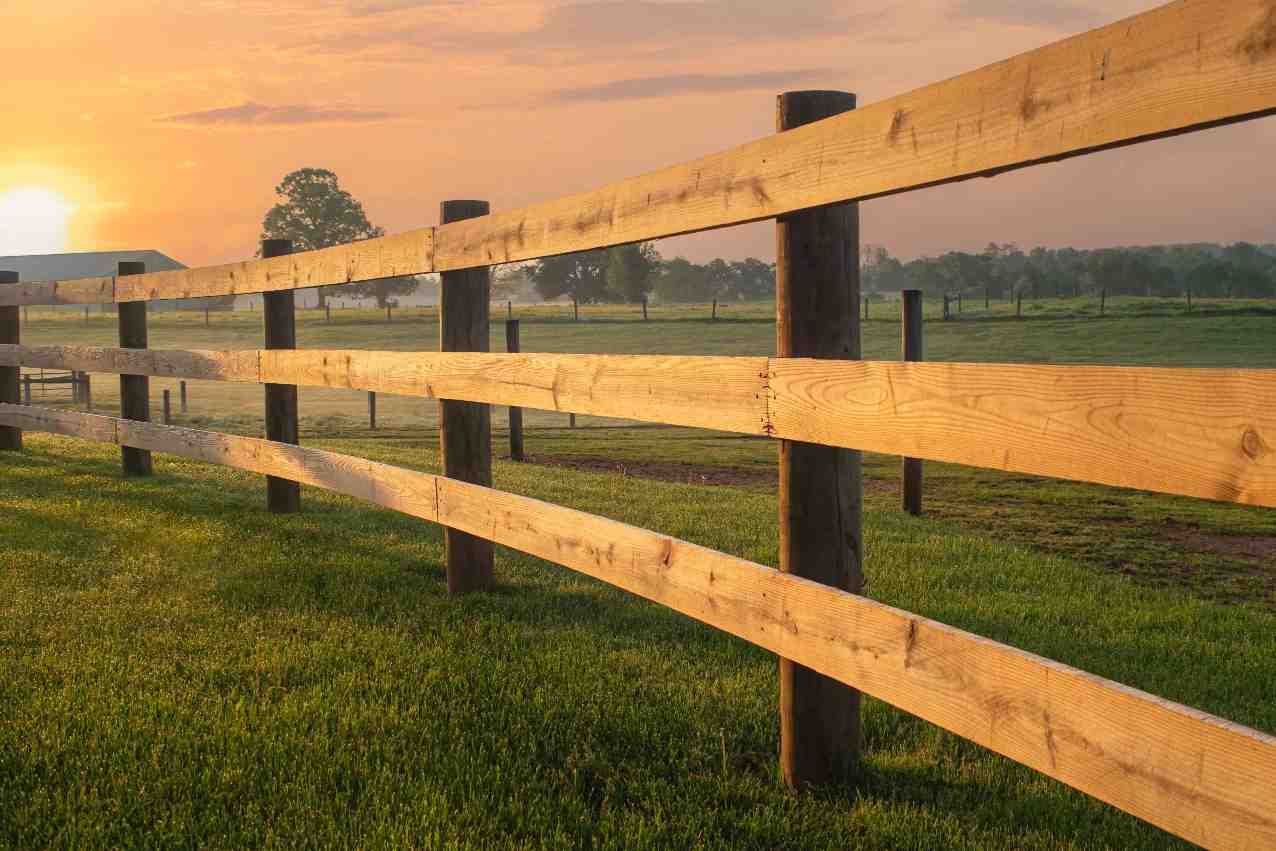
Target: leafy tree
{"x":580,"y":276}
{"x":681,"y":280}
{"x":752,"y":279}
{"x":631,"y":271}
{"x":315,"y":212}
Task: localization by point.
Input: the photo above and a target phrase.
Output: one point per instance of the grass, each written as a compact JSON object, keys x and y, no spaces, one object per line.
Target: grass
{"x":180,"y":669}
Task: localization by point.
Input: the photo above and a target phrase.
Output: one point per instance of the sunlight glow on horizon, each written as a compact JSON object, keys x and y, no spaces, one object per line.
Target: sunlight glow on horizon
{"x":34,"y":220}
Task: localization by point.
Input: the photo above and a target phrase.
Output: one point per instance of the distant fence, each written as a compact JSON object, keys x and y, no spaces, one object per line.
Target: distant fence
{"x":1205,"y":433}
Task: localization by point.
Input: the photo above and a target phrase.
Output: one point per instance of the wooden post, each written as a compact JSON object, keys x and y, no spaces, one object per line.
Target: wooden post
{"x":279,"y":317}
{"x":181,"y":393}
{"x":865,"y":308}
{"x":911,"y":325}
{"x":509,"y":309}
{"x":168,"y":407}
{"x":516,"y":413}
{"x":327,"y":313}
{"x":644,"y":308}
{"x":571,"y":420}
{"x":959,"y":302}
{"x":575,"y":310}
{"x":86,"y":316}
{"x":372,"y":410}
{"x":820,"y":489}
{"x":10,"y":334}
{"x":135,"y":390}
{"x":26,"y":390}
{"x":465,"y":428}
{"x":714,"y":316}
{"x":1019,"y":305}
{"x":945,"y":307}
{"x":1103,"y":300}
{"x":388,"y":317}
{"x":87,"y":392}
{"x":1189,"y":300}
{"x":987,"y":296}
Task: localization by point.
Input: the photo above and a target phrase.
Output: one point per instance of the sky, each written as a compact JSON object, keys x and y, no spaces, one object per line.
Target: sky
{"x":148,"y":124}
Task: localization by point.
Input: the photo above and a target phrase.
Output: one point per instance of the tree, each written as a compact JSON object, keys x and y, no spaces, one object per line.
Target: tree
{"x":681,"y":280}
{"x":580,"y":276}
{"x":752,"y":279}
{"x":315,"y":212}
{"x":631,"y":271}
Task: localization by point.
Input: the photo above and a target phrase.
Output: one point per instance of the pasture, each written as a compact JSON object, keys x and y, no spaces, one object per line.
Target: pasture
{"x":156,"y":630}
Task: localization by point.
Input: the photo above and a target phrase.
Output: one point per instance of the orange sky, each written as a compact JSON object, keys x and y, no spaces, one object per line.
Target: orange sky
{"x":167,"y":125}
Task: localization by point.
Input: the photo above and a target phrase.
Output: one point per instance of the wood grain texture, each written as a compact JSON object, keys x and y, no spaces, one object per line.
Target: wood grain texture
{"x":279,"y":321}
{"x":820,"y":492}
{"x":1184,"y":66}
{"x":1208,"y":433}
{"x":1195,"y":775}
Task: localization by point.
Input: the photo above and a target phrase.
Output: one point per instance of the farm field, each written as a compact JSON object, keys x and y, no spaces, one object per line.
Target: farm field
{"x":153,"y":629}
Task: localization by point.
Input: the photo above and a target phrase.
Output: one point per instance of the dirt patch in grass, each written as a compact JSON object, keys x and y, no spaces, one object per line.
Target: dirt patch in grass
{"x":664,"y":471}
{"x":1258,"y":548}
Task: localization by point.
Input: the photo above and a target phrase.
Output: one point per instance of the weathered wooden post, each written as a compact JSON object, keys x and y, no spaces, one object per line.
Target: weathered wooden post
{"x":135,"y":390}
{"x":1019,"y":305}
{"x":571,"y":420}
{"x":509,"y":309}
{"x":516,"y":413}
{"x":372,"y":410}
{"x":168,"y":407}
{"x":10,"y":334}
{"x":945,"y":307}
{"x":911,"y":329}
{"x":1103,"y":300}
{"x":279,"y":316}
{"x":388,"y":317}
{"x":327,"y":312}
{"x":865,"y":308}
{"x":644,"y":307}
{"x":987,"y":295}
{"x":465,"y":428}
{"x":575,"y":309}
{"x":820,"y":489}
{"x":88,"y":392}
{"x":86,"y":315}
{"x":181,"y":393}
{"x":714,"y":315}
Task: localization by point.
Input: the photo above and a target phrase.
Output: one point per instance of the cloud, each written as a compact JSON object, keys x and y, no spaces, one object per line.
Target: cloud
{"x":680,"y":84}
{"x":1051,"y":13}
{"x":251,"y":114}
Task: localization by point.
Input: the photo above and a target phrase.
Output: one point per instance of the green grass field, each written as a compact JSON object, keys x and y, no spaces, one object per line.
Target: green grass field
{"x":180,"y":669}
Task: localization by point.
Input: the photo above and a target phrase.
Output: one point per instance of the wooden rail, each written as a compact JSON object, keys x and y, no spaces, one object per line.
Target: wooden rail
{"x":1207,"y":433}
{"x":1196,"y":775}
{"x":1184,"y":66}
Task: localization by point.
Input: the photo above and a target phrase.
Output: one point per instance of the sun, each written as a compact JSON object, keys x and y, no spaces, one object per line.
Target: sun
{"x":33,"y":220}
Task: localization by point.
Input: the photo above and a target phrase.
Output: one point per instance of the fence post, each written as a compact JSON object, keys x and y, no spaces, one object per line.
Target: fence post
{"x":1189,"y":299}
{"x":135,"y":390}
{"x":959,"y":302}
{"x":644,"y":307}
{"x":1103,"y":300}
{"x":86,"y":316}
{"x":714,"y":315}
{"x":181,"y":393}
{"x":327,"y":312}
{"x":10,"y":334}
{"x":279,"y":317}
{"x":26,"y":390}
{"x":86,"y":392}
{"x":372,"y":410}
{"x":987,"y":295}
{"x":388,"y":317}
{"x":168,"y":407}
{"x":575,"y":310}
{"x":1019,"y":305}
{"x":516,"y":413}
{"x":945,"y":307}
{"x":465,"y":428}
{"x":820,"y":489}
{"x":865,"y":308}
{"x":571,"y":420}
{"x":911,"y":325}
{"x":509,"y":309}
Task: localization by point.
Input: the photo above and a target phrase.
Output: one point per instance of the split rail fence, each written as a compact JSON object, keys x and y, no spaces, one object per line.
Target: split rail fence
{"x":1186,"y":66}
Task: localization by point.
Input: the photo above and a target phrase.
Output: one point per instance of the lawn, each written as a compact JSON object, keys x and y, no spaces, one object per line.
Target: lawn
{"x":180,"y":669}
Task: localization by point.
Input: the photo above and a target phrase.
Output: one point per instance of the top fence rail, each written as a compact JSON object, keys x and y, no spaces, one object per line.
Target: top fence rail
{"x":1185,"y":66}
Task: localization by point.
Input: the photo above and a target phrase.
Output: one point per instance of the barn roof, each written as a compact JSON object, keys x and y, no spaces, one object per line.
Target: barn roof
{"x":82,"y":264}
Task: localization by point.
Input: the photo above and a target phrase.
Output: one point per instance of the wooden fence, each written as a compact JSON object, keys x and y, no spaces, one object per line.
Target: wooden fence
{"x":1186,"y":66}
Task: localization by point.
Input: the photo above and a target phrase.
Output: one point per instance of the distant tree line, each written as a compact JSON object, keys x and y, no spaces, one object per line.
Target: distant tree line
{"x":630,"y":273}
{"x":1240,"y":270}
